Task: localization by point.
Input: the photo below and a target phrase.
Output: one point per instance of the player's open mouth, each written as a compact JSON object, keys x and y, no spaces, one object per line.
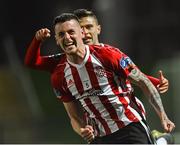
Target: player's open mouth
{"x":69,"y":44}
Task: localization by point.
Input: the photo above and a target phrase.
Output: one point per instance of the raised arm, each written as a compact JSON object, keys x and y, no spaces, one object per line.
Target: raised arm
{"x":138,"y":78}
{"x":33,"y":58}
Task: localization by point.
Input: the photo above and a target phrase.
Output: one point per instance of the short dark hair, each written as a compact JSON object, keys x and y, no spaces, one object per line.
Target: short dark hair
{"x":80,"y":13}
{"x":65,"y":17}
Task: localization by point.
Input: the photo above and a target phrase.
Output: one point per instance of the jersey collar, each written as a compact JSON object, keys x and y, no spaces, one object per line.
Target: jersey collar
{"x":85,"y":58}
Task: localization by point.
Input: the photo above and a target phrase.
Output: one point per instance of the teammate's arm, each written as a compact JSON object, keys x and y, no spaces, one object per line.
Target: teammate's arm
{"x":33,"y":57}
{"x":138,"y":78}
{"x":77,"y":121}
{"x":43,"y":34}
{"x":161,"y":83}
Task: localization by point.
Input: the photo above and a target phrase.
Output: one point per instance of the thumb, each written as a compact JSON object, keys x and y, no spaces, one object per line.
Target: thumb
{"x":82,"y":129}
{"x":161,"y":77}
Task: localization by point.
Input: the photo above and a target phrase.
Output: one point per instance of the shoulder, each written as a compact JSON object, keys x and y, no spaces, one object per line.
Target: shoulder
{"x":107,"y":54}
{"x":105,"y":50}
{"x":59,"y":69}
{"x":113,"y":48}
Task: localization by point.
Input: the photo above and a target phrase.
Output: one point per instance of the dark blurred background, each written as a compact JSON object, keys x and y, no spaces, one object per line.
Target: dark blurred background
{"x":148,"y":31}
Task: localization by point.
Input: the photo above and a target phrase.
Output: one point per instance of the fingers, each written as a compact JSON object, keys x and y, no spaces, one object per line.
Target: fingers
{"x":169,"y":127}
{"x":88,"y":136}
{"x":87,"y":133}
{"x":90,"y":128}
{"x":42,"y":34}
{"x":162,"y":88}
{"x":161,"y":77}
{"x":164,"y":83}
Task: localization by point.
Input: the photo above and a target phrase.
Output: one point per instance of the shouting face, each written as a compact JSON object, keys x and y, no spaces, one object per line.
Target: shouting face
{"x":69,"y":36}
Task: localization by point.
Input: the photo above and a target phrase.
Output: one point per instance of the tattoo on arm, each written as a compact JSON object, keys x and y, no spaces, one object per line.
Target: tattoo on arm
{"x":137,"y":77}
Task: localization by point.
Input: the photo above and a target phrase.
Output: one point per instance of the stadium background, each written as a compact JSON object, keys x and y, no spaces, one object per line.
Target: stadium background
{"x":148,"y":31}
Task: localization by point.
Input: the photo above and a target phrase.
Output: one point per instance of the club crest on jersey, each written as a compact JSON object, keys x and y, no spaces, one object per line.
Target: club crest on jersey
{"x":100,"y":72}
{"x":126,"y":62}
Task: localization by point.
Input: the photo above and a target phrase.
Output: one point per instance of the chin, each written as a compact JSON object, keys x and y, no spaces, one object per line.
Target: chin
{"x":88,"y":42}
{"x":71,"y":50}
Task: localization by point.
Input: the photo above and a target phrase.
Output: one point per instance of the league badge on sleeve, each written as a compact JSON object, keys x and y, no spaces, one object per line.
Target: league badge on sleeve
{"x":126,"y":63}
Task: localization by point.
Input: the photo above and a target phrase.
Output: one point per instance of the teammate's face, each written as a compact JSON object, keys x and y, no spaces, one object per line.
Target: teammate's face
{"x":69,"y":36}
{"x":91,"y":30}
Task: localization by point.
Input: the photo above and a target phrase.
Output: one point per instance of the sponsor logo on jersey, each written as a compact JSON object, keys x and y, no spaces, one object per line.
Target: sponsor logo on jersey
{"x":92,"y":92}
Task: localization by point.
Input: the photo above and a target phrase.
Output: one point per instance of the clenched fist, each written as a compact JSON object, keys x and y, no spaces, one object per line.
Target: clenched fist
{"x":87,"y":133}
{"x":42,"y":34}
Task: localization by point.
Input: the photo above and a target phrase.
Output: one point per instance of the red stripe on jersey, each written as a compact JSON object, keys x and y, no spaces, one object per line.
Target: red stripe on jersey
{"x":141,"y":108}
{"x":92,"y":122}
{"x":77,"y":79}
{"x":97,"y":129}
{"x":97,"y":115}
{"x":128,"y":112}
{"x":94,"y":80}
{"x":119,"y":122}
{"x":104,"y":99}
{"x":56,"y":81}
{"x":111,"y":111}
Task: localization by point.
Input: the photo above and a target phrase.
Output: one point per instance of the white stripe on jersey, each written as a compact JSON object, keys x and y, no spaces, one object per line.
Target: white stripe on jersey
{"x":104,"y":114}
{"x":84,"y":78}
{"x":103,"y":83}
{"x":133,"y":110}
{"x":142,"y":107}
{"x":91,"y":120}
{"x":108,"y":91}
{"x":123,"y":117}
{"x":95,"y":100}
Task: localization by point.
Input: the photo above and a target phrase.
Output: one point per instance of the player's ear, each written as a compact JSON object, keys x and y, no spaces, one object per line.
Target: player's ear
{"x":82,"y":32}
{"x":55,"y":36}
{"x":99,"y":29}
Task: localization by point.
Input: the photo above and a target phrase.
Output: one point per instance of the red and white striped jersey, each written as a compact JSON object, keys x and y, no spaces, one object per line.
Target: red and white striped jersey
{"x":137,"y":101}
{"x":34,"y":60}
{"x":99,"y":83}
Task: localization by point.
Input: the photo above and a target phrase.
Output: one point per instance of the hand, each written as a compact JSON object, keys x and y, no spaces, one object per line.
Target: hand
{"x":87,"y":133}
{"x":167,"y":124}
{"x":42,"y":34}
{"x":164,"y":83}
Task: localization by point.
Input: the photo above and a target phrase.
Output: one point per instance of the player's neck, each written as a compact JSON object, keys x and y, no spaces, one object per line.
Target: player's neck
{"x":97,"y":43}
{"x":78,"y":57}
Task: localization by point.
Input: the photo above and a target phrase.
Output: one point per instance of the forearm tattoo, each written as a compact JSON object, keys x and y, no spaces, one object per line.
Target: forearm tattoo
{"x":140,"y":79}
